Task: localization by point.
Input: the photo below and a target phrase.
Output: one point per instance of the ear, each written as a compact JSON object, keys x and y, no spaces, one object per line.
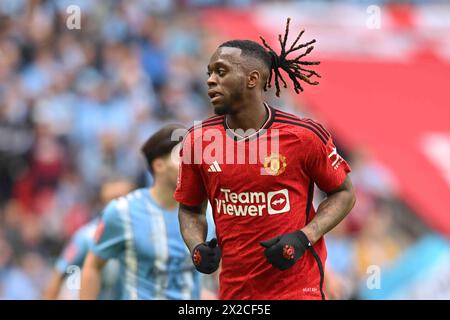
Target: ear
{"x":253,"y":78}
{"x":158,"y":165}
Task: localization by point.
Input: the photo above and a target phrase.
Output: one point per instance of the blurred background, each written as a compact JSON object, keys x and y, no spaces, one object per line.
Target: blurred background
{"x":76,"y":104}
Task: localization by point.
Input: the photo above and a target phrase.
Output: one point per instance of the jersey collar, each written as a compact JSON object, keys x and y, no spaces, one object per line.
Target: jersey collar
{"x":267,"y":123}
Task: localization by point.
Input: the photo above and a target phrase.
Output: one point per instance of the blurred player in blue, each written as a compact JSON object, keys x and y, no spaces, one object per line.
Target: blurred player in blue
{"x":74,"y":253}
{"x":142,"y":231}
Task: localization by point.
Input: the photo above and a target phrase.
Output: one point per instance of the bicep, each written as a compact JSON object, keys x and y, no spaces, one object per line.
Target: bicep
{"x":199,"y":209}
{"x":344,"y":194}
{"x":346,"y":186}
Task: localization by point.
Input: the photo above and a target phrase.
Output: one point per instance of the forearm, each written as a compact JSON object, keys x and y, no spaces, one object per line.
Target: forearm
{"x":90,"y":279}
{"x":54,"y":286}
{"x":330,"y":212}
{"x":193,"y":225}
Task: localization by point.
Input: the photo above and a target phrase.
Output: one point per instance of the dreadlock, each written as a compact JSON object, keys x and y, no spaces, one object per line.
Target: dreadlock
{"x":293,"y":67}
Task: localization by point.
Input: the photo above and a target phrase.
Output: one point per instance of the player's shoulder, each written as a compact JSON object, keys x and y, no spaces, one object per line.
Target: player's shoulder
{"x":304,"y":128}
{"x":131,"y":198}
{"x":110,"y":211}
{"x":208,"y":123}
{"x":121,"y":203}
{"x":196,"y":132}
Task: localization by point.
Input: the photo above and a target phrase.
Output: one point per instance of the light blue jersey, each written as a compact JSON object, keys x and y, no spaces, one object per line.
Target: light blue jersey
{"x":74,"y":254}
{"x":154,"y":260}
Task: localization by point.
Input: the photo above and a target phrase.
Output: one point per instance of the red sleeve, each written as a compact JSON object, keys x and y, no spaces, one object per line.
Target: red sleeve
{"x":190,"y":189}
{"x":324,"y":165}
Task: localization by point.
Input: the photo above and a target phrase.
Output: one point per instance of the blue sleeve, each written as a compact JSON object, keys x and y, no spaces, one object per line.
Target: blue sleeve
{"x":211,"y":225}
{"x":110,"y":236}
{"x":75,"y":251}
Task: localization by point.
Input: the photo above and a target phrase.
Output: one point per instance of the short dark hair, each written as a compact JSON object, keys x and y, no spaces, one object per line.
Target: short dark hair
{"x":251,"y":49}
{"x":160,"y":144}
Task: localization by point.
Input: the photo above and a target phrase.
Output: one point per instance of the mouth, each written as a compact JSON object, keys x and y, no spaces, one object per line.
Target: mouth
{"x":214,"y":96}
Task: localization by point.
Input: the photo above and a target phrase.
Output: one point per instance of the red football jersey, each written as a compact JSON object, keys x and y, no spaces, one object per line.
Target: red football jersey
{"x":261,"y":186}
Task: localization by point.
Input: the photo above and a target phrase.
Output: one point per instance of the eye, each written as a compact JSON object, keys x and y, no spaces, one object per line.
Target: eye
{"x":221,"y":72}
{"x":208,"y":73}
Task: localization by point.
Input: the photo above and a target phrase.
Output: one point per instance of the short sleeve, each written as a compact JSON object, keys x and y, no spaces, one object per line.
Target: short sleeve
{"x":324,"y":165}
{"x":74,"y":252}
{"x":190,"y":189}
{"x":109,"y":239}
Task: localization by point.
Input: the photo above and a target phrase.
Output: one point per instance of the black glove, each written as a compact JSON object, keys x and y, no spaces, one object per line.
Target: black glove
{"x":206,"y":256}
{"x":283,"y":251}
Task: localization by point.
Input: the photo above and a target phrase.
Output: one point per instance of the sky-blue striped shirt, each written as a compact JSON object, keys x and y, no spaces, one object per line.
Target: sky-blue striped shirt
{"x":154,"y":260}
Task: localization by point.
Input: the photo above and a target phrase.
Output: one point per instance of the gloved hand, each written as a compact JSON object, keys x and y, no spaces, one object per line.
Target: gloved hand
{"x":206,"y":256}
{"x":283,"y":251}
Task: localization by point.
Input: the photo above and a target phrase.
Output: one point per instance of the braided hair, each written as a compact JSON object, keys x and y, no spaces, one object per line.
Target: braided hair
{"x":295,"y":68}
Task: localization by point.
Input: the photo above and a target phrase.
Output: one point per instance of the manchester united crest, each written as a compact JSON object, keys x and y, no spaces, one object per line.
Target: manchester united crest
{"x":275,"y":164}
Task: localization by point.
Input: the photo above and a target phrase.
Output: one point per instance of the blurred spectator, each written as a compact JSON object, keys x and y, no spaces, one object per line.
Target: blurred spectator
{"x":77,"y":248}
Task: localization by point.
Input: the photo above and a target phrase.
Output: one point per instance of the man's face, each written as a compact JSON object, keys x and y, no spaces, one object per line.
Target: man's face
{"x":226,"y":81}
{"x":166,"y":168}
{"x":174,"y":165}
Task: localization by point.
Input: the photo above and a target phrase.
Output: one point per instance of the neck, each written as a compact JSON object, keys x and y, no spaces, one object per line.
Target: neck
{"x":162,"y":194}
{"x":251,"y":115}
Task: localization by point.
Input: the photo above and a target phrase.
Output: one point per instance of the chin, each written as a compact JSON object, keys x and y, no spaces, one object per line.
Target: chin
{"x":221,"y":110}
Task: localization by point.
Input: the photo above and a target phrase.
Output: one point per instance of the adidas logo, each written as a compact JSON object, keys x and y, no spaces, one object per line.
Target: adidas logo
{"x":214,"y":167}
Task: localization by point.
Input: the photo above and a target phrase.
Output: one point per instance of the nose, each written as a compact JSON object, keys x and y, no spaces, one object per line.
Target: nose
{"x":211,"y":80}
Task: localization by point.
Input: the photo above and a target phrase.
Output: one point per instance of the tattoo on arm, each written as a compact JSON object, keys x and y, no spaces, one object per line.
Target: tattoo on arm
{"x":331,"y":211}
{"x":193,"y":225}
